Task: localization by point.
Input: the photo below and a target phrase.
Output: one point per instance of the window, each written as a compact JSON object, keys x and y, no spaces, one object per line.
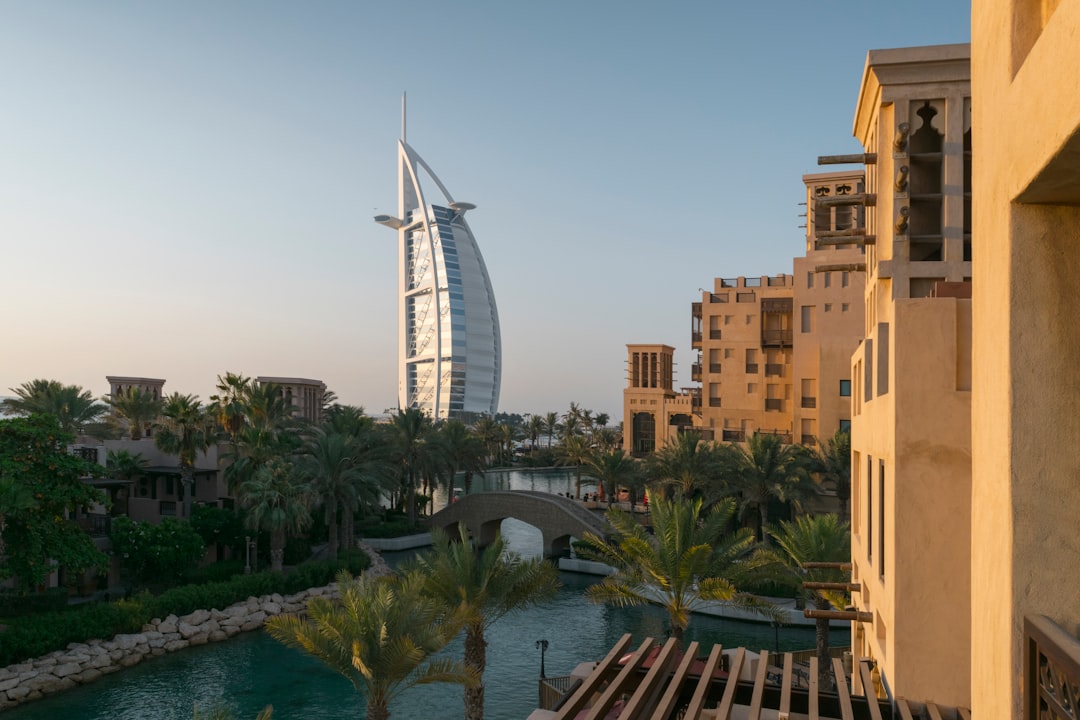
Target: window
{"x":845,"y":388}
{"x":828,"y":279}
{"x":810,"y":280}
{"x":870,"y":510}
{"x":727,"y":319}
{"x":844,"y":307}
{"x":844,"y":278}
{"x":828,"y":307}
{"x":881,"y":518}
{"x":807,"y":318}
{"x":751,"y":388}
{"x":729,"y":353}
{"x":845,"y":426}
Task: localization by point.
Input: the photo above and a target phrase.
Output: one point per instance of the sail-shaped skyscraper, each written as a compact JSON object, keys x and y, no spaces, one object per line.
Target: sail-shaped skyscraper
{"x":449,"y":349}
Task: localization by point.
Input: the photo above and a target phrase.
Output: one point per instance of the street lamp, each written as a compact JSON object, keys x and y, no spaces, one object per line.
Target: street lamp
{"x":247,"y":547}
{"x":542,"y":646}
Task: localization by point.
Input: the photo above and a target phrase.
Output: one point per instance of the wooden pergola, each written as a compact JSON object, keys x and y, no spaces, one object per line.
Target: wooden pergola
{"x":659,"y":682}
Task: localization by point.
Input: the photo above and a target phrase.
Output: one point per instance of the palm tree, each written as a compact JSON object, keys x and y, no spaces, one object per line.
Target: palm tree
{"x":462,"y":452}
{"x":688,"y":561}
{"x":534,"y":429}
{"x":276,"y":503}
{"x":139,"y":408}
{"x":488,"y":431}
{"x":686,"y":464}
{"x":551,"y":426}
{"x":811,"y":539}
{"x":766,"y":469}
{"x":231,"y":401}
{"x":76,"y":409}
{"x":184,"y":430}
{"x":329,"y":465}
{"x":611,"y":469}
{"x":381,"y":636}
{"x":481,"y":587}
{"x":412,"y":451}
{"x":832,"y":463}
{"x":575,"y":451}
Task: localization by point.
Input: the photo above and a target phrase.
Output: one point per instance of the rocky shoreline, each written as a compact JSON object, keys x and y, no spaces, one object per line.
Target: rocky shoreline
{"x":82,"y":663}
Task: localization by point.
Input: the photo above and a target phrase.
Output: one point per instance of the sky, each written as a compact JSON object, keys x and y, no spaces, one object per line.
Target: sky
{"x":188,"y":188}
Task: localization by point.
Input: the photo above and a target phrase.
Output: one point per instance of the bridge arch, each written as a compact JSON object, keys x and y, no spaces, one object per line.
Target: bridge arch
{"x":557,"y":518}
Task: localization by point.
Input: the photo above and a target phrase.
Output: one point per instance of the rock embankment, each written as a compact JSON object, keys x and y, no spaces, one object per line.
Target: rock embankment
{"x":85,"y":662}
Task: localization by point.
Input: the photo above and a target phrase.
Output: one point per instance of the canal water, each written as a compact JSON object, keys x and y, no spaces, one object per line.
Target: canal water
{"x":252,"y":670}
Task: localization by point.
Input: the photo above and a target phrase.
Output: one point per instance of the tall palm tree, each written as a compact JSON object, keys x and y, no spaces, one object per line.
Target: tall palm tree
{"x":328,"y":463}
{"x":810,"y":539}
{"x":231,"y":400}
{"x":611,"y":469}
{"x":686,"y":464}
{"x":551,"y":426}
{"x":534,"y":429}
{"x":575,"y":451}
{"x":832,"y":463}
{"x":413,"y":452}
{"x":276,"y":503}
{"x":688,"y":560}
{"x":381,"y":636}
{"x":462,"y":452}
{"x":184,"y":430}
{"x":766,"y":469}
{"x":139,"y":408}
{"x":488,"y":431}
{"x":76,"y":409}
{"x":481,"y":587}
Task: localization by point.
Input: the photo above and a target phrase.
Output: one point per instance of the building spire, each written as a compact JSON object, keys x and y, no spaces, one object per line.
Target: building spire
{"x":403,"y":117}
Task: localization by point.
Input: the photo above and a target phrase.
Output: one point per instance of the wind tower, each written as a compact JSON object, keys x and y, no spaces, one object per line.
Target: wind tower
{"x":449,"y":347}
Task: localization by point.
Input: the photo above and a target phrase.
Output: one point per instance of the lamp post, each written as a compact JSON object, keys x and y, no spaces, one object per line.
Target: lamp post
{"x":247,"y":550}
{"x":542,"y":646}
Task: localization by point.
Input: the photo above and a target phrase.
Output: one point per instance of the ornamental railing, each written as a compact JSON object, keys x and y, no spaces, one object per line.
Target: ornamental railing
{"x":1051,"y":671}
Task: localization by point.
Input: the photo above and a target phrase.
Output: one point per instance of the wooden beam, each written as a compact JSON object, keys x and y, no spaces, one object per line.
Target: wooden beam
{"x":671,"y":695}
{"x":861,"y":158}
{"x":850,"y":267}
{"x":620,"y":684}
{"x":785,"y":689}
{"x":846,"y":711}
{"x":812,"y":691}
{"x":697,"y":702}
{"x":644,"y":698}
{"x":932,"y":711}
{"x":853,"y":240}
{"x":592,"y":683}
{"x":723,"y":710}
{"x":850,"y":232}
{"x":905,"y":711}
{"x":868,"y":691}
{"x":851,"y":587}
{"x":852,"y":615}
{"x":867,"y":199}
{"x":759,"y":686}
{"x":964,"y":713}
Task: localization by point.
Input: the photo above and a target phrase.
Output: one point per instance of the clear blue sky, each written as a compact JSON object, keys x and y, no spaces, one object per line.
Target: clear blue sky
{"x":187,"y":188}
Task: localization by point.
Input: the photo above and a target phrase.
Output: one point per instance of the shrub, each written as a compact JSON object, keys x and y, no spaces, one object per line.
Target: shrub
{"x":156,"y":553}
{"x":14,"y":604}
{"x":390,"y":528}
{"x":215,"y":572}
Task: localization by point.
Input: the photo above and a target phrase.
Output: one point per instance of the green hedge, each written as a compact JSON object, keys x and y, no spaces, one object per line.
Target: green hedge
{"x":36,"y":635}
{"x":15,"y":604}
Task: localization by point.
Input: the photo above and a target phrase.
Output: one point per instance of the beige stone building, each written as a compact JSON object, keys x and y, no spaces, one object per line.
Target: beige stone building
{"x":911,"y":424}
{"x":304,"y":394}
{"x":773,"y":351}
{"x":1025,"y":518}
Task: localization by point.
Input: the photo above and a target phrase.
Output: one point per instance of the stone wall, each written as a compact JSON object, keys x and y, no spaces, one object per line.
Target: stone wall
{"x":83,"y":663}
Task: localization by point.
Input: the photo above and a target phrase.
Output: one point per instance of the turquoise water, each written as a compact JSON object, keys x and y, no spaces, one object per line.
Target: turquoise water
{"x":252,"y":670}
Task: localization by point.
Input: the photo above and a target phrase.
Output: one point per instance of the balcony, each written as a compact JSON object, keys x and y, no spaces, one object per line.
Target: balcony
{"x":695,"y":372}
{"x":1051,"y":670}
{"x":809,"y":440}
{"x":95,"y":525}
{"x":695,"y":310}
{"x":695,"y":339}
{"x":714,"y":367}
{"x":785,"y":437}
{"x":734,"y":436}
{"x":774,"y":370}
{"x":809,"y":402}
{"x":720,"y":297}
{"x":773,"y":405}
{"x":751,"y":368}
{"x":746,"y":297}
{"x":776,"y":338}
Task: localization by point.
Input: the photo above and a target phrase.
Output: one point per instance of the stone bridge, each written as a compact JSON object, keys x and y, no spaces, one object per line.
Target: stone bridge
{"x":558,"y":518}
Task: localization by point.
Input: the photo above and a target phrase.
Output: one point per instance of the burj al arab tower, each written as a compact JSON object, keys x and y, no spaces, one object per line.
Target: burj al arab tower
{"x":449,"y":349}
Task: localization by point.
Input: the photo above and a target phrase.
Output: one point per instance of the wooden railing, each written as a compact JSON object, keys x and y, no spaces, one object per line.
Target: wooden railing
{"x":554,"y":689}
{"x":1051,"y":671}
